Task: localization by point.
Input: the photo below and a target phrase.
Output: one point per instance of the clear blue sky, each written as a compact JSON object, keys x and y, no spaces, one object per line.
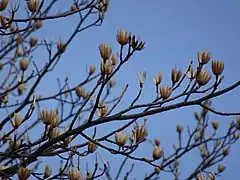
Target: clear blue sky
{"x":174,"y":32}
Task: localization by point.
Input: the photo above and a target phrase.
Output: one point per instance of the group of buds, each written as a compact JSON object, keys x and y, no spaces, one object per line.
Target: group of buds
{"x":157,"y":151}
{"x":50,"y":118}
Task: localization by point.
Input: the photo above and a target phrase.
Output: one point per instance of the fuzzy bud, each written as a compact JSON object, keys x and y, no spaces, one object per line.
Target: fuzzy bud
{"x":21,"y":88}
{"x":158,"y":79}
{"x":139,"y":133}
{"x":114,"y":59}
{"x":33,"y":5}
{"x":225,"y":151}
{"x":49,"y":117}
{"x":33,"y":41}
{"x":92,"y":69}
{"x":74,"y":174}
{"x":157,"y":152}
{"x":176,"y":75}
{"x":157,"y":141}
{"x":122,"y":37}
{"x":215,"y":125}
{"x":24,"y":173}
{"x":23,"y":63}
{"x":220,"y":168}
{"x":92,"y":147}
{"x":179,"y":129}
{"x":112,"y":83}
{"x":165,"y":92}
{"x":204,"y":57}
{"x":217,"y":67}
{"x":121,"y":138}
{"x":157,"y":169}
{"x":106,"y":67}
{"x":203,"y":78}
{"x":81,"y":92}
{"x":190,"y":73}
{"x":105,"y":51}
{"x":17,"y":120}
{"x":3,"y":5}
{"x":39,"y":24}
{"x":55,"y":132}
{"x":61,"y":47}
{"x":47,"y":172}
{"x":102,"y":110}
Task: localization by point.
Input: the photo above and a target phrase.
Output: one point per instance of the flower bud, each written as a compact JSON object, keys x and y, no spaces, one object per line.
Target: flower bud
{"x":203,"y":78}
{"x":139,"y":133}
{"x":197,"y":136}
{"x":81,"y":92}
{"x":73,"y":8}
{"x":23,"y":63}
{"x":92,"y":147}
{"x":157,"y":169}
{"x":39,"y":24}
{"x":33,"y":41}
{"x":217,"y":67}
{"x":3,"y":5}
{"x":179,"y":129}
{"x":21,"y":88}
{"x":92,"y":69}
{"x":17,"y":120}
{"x":204,"y":57}
{"x":55,"y":132}
{"x":74,"y":174}
{"x":112,"y":83}
{"x":157,"y":141}
{"x":157,"y":153}
{"x":102,"y":110}
{"x":215,"y":125}
{"x":114,"y":59}
{"x":176,"y":75}
{"x":47,"y":172}
{"x":165,"y":92}
{"x":49,"y":117}
{"x":33,"y":5}
{"x":158,"y":79}
{"x":220,"y":168}
{"x":122,"y":37}
{"x":197,"y":117}
{"x":24,"y":173}
{"x":19,"y":39}
{"x":190,"y":73}
{"x":121,"y":138}
{"x":61,"y":47}
{"x":106,"y":67}
{"x":105,"y":51}
{"x":225,"y":151}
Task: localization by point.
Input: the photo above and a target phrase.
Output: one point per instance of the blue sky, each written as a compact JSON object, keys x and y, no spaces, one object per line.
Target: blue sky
{"x":174,"y":32}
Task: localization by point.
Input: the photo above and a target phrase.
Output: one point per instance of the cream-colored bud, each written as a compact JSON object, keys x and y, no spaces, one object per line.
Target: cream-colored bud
{"x":23,"y":63}
{"x":114,"y":60}
{"x":92,"y":147}
{"x":215,"y":125}
{"x":33,"y":41}
{"x":123,"y":37}
{"x":190,"y":73}
{"x":165,"y":92}
{"x":106,"y":67}
{"x":157,"y":152}
{"x":3,"y":5}
{"x":24,"y":173}
{"x":158,"y":79}
{"x":157,"y":141}
{"x":49,"y":117}
{"x":139,"y":133}
{"x":176,"y":75}
{"x":102,"y":110}
{"x":47,"y":172}
{"x":81,"y":92}
{"x":217,"y":67}
{"x":17,"y":120}
{"x":121,"y":138}
{"x":204,"y":57}
{"x":33,"y":5}
{"x":203,"y":78}
{"x":142,"y":77}
{"x":74,"y":174}
{"x":105,"y":51}
{"x":92,"y":69}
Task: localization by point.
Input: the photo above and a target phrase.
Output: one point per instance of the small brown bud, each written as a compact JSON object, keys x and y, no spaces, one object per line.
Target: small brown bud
{"x":220,"y":168}
{"x":55,"y":132}
{"x":47,"y":172}
{"x":112,"y":83}
{"x":102,"y":110}
{"x":157,"y":153}
{"x":105,"y":51}
{"x":33,"y":42}
{"x":204,"y":57}
{"x":73,"y":8}
{"x":215,"y":125}
{"x":122,"y":37}
{"x":3,"y":5}
{"x":49,"y":117}
{"x":121,"y":138}
{"x":157,"y":141}
{"x":92,"y":147}
{"x":24,"y":173}
{"x":61,"y":47}
{"x":81,"y":92}
{"x":197,"y":117}
{"x":23,"y":63}
{"x":217,"y":67}
{"x":92,"y":69}
{"x":158,"y":79}
{"x":165,"y":92}
{"x":203,"y":78}
{"x":225,"y":151}
{"x":157,"y":169}
{"x":176,"y":75}
{"x":114,"y":59}
{"x":39,"y":24}
{"x":21,"y":88}
{"x":74,"y":174}
{"x":179,"y":129}
{"x":33,"y":5}
{"x":197,"y":136}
